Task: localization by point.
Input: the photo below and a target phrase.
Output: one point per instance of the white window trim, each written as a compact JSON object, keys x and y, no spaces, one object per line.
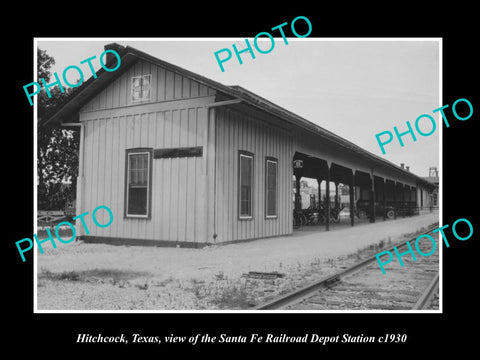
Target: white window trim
{"x":149,"y":93}
{"x":128,"y":184}
{"x":251,"y":190}
{"x":276,"y":190}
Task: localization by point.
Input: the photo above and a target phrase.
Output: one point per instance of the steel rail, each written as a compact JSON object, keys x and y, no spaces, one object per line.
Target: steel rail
{"x":296,"y":296}
{"x":427,"y":295}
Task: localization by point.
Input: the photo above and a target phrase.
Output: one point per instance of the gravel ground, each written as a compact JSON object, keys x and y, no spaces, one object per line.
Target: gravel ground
{"x":81,"y":276}
{"x":398,"y":289}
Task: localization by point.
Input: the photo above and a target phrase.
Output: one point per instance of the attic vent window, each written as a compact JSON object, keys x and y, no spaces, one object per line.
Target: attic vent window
{"x":141,"y":88}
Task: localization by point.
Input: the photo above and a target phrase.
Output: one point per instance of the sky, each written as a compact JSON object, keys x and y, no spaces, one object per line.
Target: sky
{"x":353,"y":88}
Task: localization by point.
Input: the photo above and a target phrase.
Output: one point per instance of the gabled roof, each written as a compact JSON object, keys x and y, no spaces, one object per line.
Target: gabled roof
{"x":68,"y":111}
{"x":129,"y":55}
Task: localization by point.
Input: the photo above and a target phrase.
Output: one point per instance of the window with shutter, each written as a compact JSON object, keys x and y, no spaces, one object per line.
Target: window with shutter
{"x":141,"y":88}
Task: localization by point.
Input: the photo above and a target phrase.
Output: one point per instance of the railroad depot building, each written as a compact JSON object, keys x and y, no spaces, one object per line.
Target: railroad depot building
{"x":183,"y":160}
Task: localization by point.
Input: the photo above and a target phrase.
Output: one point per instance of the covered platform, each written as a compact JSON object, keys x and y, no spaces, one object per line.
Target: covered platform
{"x":345,"y":224}
{"x":384,"y":193}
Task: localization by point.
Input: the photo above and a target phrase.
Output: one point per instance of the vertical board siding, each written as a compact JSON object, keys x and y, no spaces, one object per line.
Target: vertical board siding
{"x":182,"y":206}
{"x":234,"y":132}
{"x":177,"y":183}
{"x":178,"y":209}
{"x":165,"y":86}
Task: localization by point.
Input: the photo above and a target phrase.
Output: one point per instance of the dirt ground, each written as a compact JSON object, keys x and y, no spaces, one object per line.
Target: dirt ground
{"x":81,"y":276}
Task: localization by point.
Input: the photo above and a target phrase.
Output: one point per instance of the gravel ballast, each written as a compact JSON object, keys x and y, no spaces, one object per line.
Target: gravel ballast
{"x":80,"y":276}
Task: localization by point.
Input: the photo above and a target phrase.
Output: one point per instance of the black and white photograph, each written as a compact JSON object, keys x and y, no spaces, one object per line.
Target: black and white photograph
{"x":251,"y":186}
{"x":226,"y":181}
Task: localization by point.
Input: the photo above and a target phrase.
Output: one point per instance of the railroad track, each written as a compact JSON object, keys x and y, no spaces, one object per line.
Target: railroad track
{"x":364,"y":287}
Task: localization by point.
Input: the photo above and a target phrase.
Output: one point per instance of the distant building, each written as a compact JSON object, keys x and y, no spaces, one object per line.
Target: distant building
{"x":434,"y":179}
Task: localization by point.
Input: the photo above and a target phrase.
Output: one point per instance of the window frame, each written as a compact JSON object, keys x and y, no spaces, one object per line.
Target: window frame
{"x":128,"y":153}
{"x":274,"y":161}
{"x":251,"y":156}
{"x":141,"y":88}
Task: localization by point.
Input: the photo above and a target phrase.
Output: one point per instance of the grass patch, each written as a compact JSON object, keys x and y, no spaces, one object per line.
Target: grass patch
{"x":84,"y":275}
{"x":232,"y":296}
{"x":164,"y":282}
{"x":65,"y":275}
{"x":219,"y":294}
{"x":369,"y":249}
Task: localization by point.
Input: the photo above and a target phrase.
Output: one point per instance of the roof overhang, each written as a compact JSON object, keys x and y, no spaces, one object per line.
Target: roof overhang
{"x":68,"y":111}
